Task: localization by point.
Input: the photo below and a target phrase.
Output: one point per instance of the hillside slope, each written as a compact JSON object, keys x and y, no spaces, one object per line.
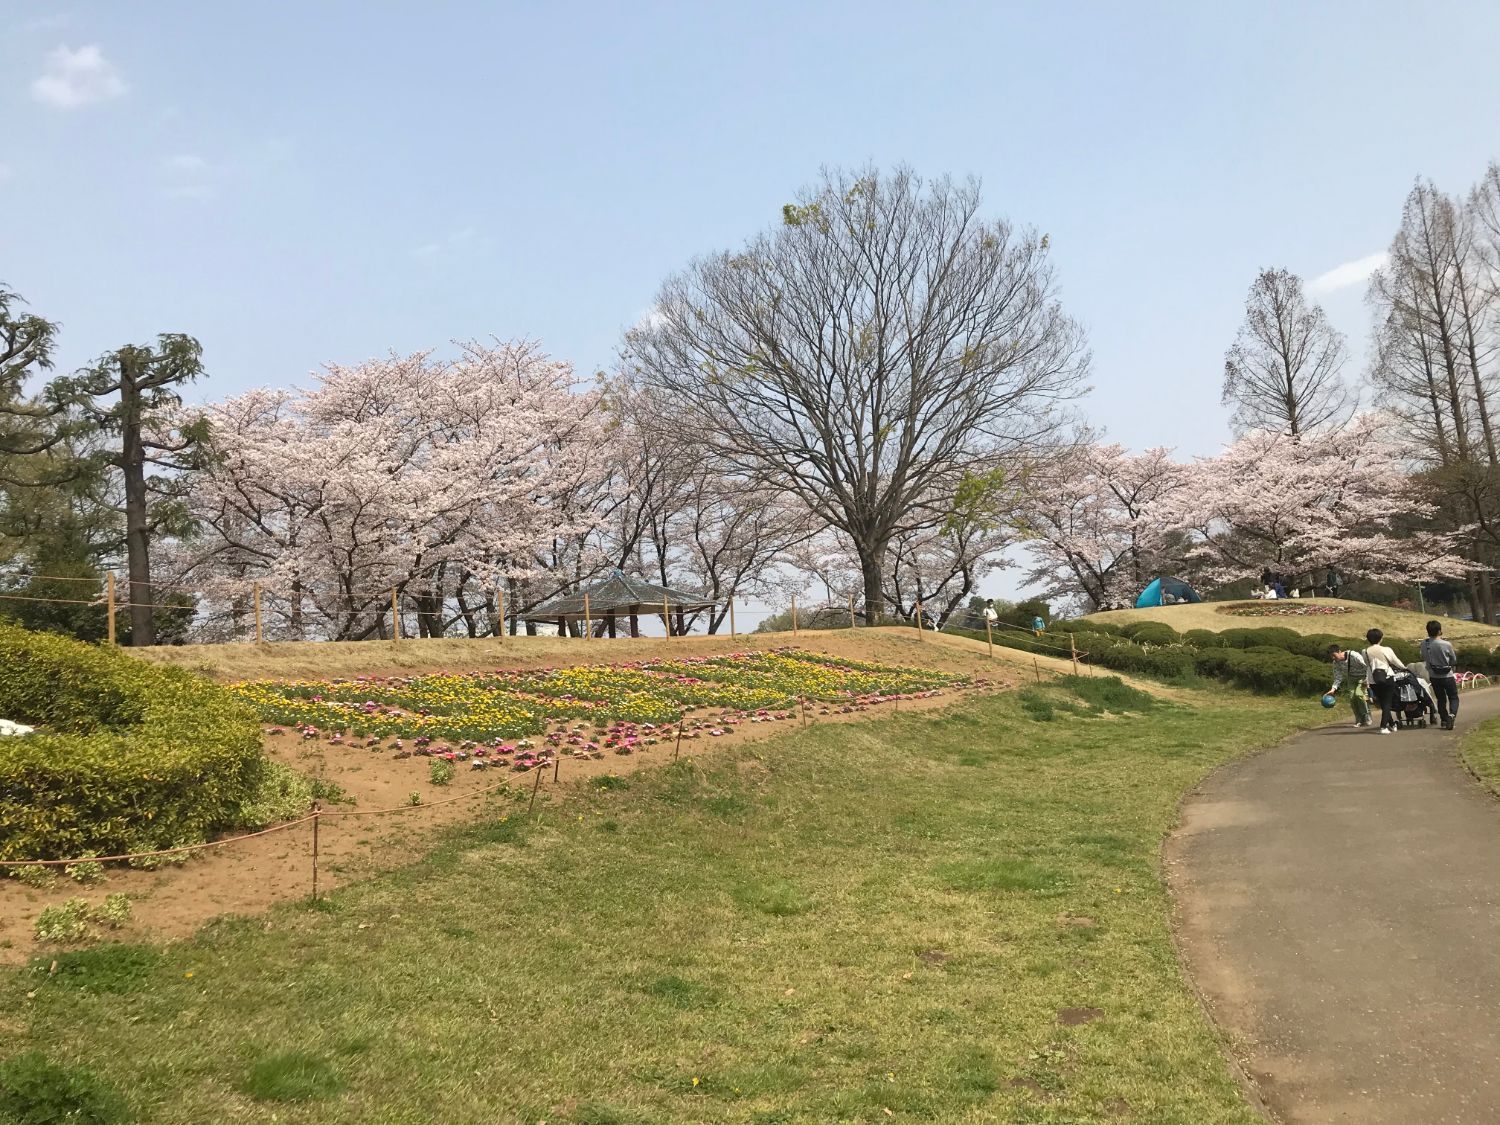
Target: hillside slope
{"x":1362,"y":616}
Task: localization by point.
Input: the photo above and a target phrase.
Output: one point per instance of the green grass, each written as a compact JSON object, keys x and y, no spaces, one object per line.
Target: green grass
{"x":860,"y":918}
{"x":1480,"y":750}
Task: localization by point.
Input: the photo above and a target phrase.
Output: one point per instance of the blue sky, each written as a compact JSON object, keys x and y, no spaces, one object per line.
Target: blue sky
{"x":297,"y":183}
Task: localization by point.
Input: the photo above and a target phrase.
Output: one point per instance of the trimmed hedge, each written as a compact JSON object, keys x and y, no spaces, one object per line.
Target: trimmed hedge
{"x":1152,"y":633}
{"x":128,"y":756}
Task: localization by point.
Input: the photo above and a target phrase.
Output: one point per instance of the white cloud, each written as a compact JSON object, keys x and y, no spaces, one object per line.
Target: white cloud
{"x":78,"y":78}
{"x":188,"y":176}
{"x":1342,"y":276}
{"x":460,"y":241}
{"x":187,"y":164}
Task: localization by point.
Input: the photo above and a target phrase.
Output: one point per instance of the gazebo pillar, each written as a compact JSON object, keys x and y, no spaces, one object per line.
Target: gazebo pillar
{"x":611,"y":625}
{"x":635,"y":624}
{"x":562,"y":626}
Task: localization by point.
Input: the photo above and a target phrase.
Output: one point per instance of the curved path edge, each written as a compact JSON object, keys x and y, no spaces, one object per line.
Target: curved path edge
{"x":1337,"y":909}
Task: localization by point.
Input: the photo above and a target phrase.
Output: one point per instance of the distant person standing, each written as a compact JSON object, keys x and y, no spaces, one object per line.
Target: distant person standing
{"x":1351,"y":664}
{"x":1442,"y":673}
{"x":1331,"y":582}
{"x":1038,"y":626}
{"x":1383,"y":664}
{"x":991,"y":615}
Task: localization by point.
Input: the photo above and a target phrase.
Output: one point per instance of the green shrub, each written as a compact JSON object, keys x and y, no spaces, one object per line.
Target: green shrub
{"x":64,"y":922}
{"x":85,"y":871}
{"x":128,"y":756}
{"x":35,"y":875}
{"x":1269,"y":671}
{"x":1203,"y":638}
{"x":34,"y":1091}
{"x":1237,"y":638}
{"x":1152,"y":633}
{"x":440,"y":771}
{"x":1086,"y":625}
{"x":1274,"y":636}
{"x":114,"y":911}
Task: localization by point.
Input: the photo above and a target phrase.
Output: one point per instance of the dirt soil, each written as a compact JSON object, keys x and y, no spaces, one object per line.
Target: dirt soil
{"x":248,"y":876}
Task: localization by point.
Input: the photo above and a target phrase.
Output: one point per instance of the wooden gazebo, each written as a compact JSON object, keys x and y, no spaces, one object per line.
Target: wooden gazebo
{"x":615,"y":596}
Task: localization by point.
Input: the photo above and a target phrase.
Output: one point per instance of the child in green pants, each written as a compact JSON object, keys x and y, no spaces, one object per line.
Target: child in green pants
{"x":1352,"y":664}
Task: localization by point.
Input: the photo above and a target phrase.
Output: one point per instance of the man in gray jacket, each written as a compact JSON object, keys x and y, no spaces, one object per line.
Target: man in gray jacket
{"x":1351,"y":663}
{"x":1442,"y":669}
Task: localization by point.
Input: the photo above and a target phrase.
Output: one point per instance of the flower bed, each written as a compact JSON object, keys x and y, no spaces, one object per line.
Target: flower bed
{"x":1282,"y":607}
{"x":518,"y":719}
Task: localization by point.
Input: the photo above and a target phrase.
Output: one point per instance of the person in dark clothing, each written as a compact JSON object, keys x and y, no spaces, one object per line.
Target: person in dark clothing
{"x":1442,"y":672}
{"x":1331,"y":583}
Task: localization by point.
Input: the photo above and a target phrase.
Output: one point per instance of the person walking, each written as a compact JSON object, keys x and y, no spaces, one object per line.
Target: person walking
{"x":1352,"y":664}
{"x":1442,"y":673}
{"x":1383,"y":665}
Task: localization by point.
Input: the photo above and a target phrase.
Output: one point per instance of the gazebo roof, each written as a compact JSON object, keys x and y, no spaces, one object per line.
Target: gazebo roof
{"x":617,"y":594}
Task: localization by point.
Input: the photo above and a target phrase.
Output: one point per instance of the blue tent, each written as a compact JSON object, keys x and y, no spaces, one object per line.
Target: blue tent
{"x":1162,"y":589}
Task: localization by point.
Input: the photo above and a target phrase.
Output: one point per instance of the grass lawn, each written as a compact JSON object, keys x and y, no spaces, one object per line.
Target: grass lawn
{"x":951,"y":919}
{"x":1480,"y":751}
{"x":1397,"y":622}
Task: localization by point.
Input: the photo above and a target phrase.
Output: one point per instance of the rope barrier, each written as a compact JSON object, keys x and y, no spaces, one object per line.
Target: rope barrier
{"x":166,"y":851}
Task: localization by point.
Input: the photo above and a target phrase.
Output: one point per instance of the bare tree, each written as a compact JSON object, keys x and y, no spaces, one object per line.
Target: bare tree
{"x":866,"y":352}
{"x":1282,"y":372}
{"x":1435,"y":361}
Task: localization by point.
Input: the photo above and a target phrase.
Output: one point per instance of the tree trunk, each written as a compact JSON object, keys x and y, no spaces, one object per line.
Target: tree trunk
{"x":137,"y":528}
{"x":872,"y":576}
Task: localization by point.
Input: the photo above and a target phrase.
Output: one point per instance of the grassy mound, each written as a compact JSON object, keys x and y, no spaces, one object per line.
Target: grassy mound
{"x":127,"y":756}
{"x":1361,"y":616}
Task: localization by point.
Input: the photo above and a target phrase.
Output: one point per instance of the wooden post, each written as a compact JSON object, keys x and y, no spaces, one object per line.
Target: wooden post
{"x":109,"y":592}
{"x":920,"y":635}
{"x":535,"y":785}
{"x":500,"y":594}
{"x":1073,"y":647}
{"x":666,"y":614}
{"x":989,"y":634}
{"x":678,"y":751}
{"x":1037,"y":668}
{"x":317,"y":816}
{"x":395,"y":621}
{"x":588,"y":620}
{"x":794,"y":615}
{"x":258,"y":636}
{"x":851,"y":611}
{"x":731,"y":617}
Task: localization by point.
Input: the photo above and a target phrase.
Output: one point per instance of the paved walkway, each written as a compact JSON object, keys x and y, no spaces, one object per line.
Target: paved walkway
{"x":1339,"y":907}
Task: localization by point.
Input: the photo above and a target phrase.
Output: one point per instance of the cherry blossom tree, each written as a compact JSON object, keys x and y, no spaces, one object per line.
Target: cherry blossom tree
{"x":1342,"y":500}
{"x":1094,"y":522}
{"x":433,"y":478}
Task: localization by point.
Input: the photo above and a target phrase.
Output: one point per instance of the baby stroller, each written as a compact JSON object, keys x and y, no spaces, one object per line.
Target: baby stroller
{"x":1412,"y":702}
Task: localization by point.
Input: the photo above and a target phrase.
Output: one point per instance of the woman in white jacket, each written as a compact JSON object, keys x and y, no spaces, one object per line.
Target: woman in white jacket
{"x":1383,"y":665}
